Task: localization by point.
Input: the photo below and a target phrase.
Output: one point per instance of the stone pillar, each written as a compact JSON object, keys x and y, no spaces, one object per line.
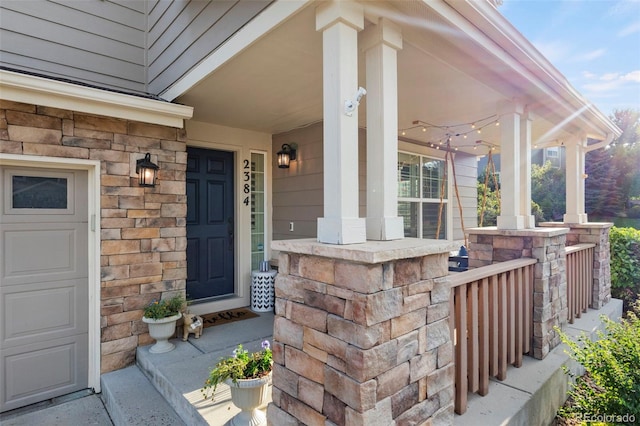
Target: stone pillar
{"x":361,"y":334}
{"x":598,"y":234}
{"x":575,"y":155}
{"x":491,"y":245}
{"x":340,"y":22}
{"x":381,"y":43}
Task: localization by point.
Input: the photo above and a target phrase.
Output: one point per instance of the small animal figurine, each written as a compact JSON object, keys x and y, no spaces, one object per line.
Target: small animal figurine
{"x":192,"y":324}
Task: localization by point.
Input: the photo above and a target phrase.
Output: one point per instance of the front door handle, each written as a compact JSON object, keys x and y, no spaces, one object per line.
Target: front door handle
{"x":230,"y":232}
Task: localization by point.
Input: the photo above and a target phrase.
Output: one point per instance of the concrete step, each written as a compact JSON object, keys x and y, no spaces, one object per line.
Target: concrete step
{"x":532,"y":394}
{"x":175,"y":379}
{"x":131,"y":400}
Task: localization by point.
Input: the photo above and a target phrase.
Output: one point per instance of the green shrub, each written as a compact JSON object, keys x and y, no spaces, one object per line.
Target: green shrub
{"x":611,"y":385}
{"x":625,"y":263}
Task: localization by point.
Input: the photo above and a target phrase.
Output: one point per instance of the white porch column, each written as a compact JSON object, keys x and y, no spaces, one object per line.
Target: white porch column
{"x":511,"y":216}
{"x":525,"y":170}
{"x":381,"y":43}
{"x":575,"y":168}
{"x":340,"y":22}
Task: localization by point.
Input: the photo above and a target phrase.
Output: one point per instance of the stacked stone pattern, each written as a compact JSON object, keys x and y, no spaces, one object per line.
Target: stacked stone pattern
{"x":361,"y":343}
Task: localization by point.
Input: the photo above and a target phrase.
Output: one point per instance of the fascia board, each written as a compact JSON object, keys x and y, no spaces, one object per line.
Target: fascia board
{"x":30,"y":89}
{"x":486,"y":27}
{"x":263,"y":23}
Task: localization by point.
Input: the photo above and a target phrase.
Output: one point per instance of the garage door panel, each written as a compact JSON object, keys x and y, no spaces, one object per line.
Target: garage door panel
{"x":46,"y":252}
{"x":60,"y":368}
{"x":31,"y":312}
{"x":44,"y":287}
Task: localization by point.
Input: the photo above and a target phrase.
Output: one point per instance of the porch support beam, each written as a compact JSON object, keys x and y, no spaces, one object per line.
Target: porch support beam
{"x":575,"y":168}
{"x":525,"y":170}
{"x":381,"y":43}
{"x":511,"y":216}
{"x":340,"y":23}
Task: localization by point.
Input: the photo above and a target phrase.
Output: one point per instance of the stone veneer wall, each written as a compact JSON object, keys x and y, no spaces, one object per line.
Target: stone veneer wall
{"x":143,"y":251}
{"x":490,"y":245}
{"x":595,"y":233}
{"x":360,"y":341}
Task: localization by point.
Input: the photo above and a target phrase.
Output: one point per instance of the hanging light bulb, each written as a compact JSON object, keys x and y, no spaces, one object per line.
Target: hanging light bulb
{"x":479,"y":131}
{"x":464,"y":136}
{"x":424,"y":129}
{"x":473,"y":125}
{"x":497,"y":123}
{"x":404,"y":133}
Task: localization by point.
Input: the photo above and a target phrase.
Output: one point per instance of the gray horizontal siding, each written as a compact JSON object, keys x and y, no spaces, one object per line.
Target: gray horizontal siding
{"x":96,"y":42}
{"x":466,"y":177}
{"x":182,"y":34}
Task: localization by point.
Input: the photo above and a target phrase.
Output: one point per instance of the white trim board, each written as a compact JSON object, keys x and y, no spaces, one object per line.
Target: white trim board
{"x":30,"y":89}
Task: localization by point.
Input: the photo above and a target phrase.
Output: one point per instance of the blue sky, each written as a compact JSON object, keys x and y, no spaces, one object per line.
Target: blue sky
{"x":594,"y":43}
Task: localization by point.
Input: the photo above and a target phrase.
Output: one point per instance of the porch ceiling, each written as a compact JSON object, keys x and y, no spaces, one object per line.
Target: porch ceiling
{"x":445,"y":79}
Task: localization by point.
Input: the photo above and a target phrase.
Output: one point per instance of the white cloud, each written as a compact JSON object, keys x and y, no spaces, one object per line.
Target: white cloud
{"x":589,"y":75}
{"x":590,"y":56}
{"x":609,"y":76}
{"x":610,"y":81}
{"x":632,"y":76}
{"x":602,"y":87}
{"x":629,"y":29}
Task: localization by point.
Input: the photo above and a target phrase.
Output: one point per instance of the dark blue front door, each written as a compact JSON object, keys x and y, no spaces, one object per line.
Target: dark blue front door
{"x":210,"y":224}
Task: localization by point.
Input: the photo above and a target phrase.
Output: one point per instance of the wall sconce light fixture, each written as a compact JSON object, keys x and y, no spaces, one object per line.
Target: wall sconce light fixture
{"x":285,"y":156}
{"x":147,"y":171}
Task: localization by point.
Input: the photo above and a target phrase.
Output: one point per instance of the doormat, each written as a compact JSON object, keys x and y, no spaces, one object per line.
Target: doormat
{"x":224,"y":317}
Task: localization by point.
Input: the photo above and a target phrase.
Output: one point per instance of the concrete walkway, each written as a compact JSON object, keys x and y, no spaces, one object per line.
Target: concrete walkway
{"x":164,"y":389}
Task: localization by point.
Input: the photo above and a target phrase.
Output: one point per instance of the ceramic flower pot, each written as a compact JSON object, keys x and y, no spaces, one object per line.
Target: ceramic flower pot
{"x":161,"y":330}
{"x":248,"y":395}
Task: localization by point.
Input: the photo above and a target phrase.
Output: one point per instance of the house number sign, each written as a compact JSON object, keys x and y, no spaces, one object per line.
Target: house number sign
{"x":246,"y":177}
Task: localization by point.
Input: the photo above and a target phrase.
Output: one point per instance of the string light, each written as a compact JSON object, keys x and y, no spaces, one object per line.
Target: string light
{"x":451,"y":131}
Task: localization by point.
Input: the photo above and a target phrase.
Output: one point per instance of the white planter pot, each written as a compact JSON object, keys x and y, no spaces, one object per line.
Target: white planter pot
{"x":248,"y":395}
{"x":161,"y":330}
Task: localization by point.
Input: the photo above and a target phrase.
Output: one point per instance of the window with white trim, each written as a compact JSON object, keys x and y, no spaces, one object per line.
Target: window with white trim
{"x":421,"y":181}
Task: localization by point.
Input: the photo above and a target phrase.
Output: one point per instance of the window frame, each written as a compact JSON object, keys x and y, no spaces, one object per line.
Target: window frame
{"x":426,"y":155}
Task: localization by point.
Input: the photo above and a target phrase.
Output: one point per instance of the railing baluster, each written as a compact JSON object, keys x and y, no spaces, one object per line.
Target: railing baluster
{"x":483,"y":338}
{"x":502,"y":328}
{"x":461,"y":349}
{"x":472,"y":319}
{"x":570,"y":287}
{"x":579,"y":282}
{"x":519,"y":304}
{"x":493,"y":328}
{"x":511,"y":315}
{"x":528,"y":307}
{"x":590,"y":284}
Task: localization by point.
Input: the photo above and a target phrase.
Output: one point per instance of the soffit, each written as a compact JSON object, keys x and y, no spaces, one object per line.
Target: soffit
{"x":444,"y":78}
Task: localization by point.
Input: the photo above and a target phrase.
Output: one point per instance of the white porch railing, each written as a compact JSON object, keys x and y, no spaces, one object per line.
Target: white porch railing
{"x":492,"y":308}
{"x":579,"y":279}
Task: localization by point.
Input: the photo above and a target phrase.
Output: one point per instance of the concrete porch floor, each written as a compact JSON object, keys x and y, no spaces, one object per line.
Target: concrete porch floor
{"x":179,"y":375}
{"x":164,"y":389}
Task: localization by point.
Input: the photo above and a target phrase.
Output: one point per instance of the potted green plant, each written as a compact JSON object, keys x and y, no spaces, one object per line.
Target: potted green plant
{"x":248,"y":375}
{"x":161,"y":317}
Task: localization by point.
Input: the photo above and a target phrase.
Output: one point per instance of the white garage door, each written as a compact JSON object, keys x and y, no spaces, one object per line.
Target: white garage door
{"x":43,"y":284}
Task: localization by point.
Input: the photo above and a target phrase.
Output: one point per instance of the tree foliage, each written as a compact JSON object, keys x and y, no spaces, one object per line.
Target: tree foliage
{"x":614,"y":172}
{"x":548,"y":188}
